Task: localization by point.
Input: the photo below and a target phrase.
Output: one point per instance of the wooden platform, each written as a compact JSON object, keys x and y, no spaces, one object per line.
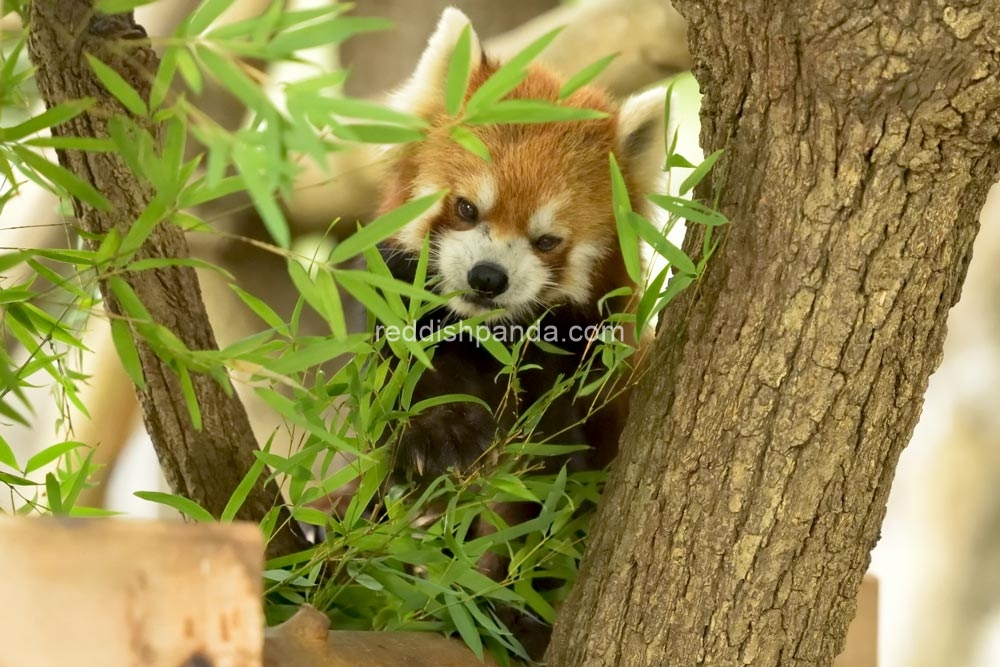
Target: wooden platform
{"x":109,"y":593}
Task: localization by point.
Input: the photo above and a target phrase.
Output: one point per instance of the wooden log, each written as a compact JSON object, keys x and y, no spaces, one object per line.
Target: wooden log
{"x":304,"y":641}
{"x":105,"y":593}
{"x":167,"y":594}
{"x":861,"y":647}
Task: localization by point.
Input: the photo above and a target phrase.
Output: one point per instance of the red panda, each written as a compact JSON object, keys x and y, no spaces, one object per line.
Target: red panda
{"x":532,"y":231}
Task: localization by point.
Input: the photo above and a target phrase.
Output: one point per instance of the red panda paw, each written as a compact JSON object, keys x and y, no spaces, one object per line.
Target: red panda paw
{"x":452,"y":437}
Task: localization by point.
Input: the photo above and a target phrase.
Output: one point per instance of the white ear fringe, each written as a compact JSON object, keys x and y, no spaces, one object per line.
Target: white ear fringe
{"x":641,"y":137}
{"x":425,"y":88}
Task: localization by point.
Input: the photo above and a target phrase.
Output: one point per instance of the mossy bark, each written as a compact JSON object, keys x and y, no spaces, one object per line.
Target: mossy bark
{"x":861,"y":139}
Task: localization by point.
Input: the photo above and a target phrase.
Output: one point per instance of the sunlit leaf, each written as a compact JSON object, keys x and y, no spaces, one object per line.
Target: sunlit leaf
{"x":689,"y":210}
{"x":324,"y":33}
{"x":118,"y":87}
{"x":648,"y":232}
{"x":121,"y":336}
{"x":205,"y":14}
{"x":60,"y":177}
{"x":7,"y":456}
{"x":242,"y":490}
{"x":468,"y":140}
{"x":509,"y":76}
{"x":585,"y":76}
{"x":50,"y":454}
{"x":365,"y":110}
{"x":457,"y":78}
{"x":627,"y":236}
{"x":378,"y":134}
{"x":186,"y":507}
{"x":531,"y":111}
{"x":383,"y":227}
{"x":57,"y":115}
{"x":699,"y":173}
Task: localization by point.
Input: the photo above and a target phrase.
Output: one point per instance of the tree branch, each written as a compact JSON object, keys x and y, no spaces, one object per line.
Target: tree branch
{"x":204,"y":465}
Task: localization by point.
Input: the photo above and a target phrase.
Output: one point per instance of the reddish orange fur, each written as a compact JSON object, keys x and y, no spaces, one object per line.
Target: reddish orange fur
{"x":532,"y":164}
{"x":563,"y":165}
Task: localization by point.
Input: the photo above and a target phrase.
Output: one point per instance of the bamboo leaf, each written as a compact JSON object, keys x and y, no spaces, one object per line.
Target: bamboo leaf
{"x":89,"y":144}
{"x":140,"y":230}
{"x":121,"y":336}
{"x":262,"y":310}
{"x":377,"y":134}
{"x":206,"y":13}
{"x":190,"y":397}
{"x":62,"y":178}
{"x":252,"y":164}
{"x":242,"y":490}
{"x":647,"y":304}
{"x":627,"y":236}
{"x":509,"y":76}
{"x":57,"y":115}
{"x":391,"y":285}
{"x":365,"y":110}
{"x":186,"y":507}
{"x":118,"y":87}
{"x":15,"y":480}
{"x":428,"y":403}
{"x":458,"y":72}
{"x":383,"y":227}
{"x":7,"y":456}
{"x":325,"y":33}
{"x":689,"y":210}
{"x":53,"y":494}
{"x":119,"y":6}
{"x":466,"y":627}
{"x":235,"y":80}
{"x":699,"y":173}
{"x":50,"y":454}
{"x":585,"y":76}
{"x":531,"y":111}
{"x":648,"y":232}
{"x":467,"y":139}
{"x":152,"y":263}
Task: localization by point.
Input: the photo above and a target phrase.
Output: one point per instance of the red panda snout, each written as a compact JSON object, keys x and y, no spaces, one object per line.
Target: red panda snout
{"x":482,"y":272}
{"x":488,"y":280}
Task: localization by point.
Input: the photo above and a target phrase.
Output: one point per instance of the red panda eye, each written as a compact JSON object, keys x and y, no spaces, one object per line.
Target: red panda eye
{"x":466,"y":210}
{"x":547,"y":242}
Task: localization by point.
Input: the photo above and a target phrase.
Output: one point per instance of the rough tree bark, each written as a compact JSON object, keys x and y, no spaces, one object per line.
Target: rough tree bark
{"x":861,"y":139}
{"x":204,"y":465}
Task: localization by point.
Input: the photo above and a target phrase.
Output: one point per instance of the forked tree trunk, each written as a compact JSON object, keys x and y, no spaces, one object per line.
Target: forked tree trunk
{"x":861,"y":140}
{"x":206,"y":464}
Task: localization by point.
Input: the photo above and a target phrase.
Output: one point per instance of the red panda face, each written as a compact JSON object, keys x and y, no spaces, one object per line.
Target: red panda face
{"x":534,"y":227}
{"x":525,"y":232}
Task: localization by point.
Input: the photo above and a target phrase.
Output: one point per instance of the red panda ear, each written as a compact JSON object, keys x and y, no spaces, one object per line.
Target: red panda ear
{"x":424,"y":91}
{"x":641,"y":145}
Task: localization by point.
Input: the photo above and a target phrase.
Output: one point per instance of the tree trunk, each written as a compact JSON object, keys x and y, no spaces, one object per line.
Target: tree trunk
{"x":204,"y":465}
{"x":860,"y":142}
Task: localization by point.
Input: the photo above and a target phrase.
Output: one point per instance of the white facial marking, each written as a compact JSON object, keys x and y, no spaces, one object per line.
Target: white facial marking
{"x":484,"y":193}
{"x":543,"y":220}
{"x":412,"y":235}
{"x":580,"y":266}
{"x":644,"y":160}
{"x":527,"y":276}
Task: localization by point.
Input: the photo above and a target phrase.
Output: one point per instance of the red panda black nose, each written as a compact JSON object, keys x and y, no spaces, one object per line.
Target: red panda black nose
{"x":488,"y":279}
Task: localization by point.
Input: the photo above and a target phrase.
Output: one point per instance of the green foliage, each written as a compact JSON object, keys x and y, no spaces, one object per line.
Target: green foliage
{"x":393,"y":557}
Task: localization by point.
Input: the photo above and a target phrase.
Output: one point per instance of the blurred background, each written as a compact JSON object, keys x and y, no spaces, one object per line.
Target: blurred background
{"x":938,"y":562}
